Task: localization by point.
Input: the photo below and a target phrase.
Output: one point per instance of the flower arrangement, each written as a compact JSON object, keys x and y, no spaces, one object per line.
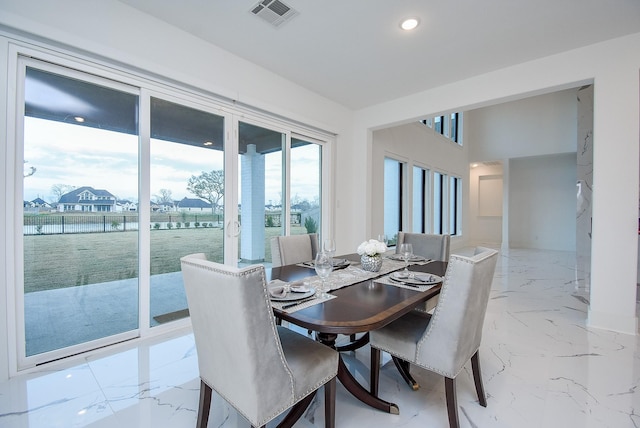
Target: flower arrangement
{"x":372,"y":247}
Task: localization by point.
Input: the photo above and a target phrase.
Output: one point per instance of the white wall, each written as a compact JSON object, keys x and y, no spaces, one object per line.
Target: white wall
{"x":485,"y":227}
{"x":534,"y":126}
{"x":542,"y":202}
{"x":539,"y":125}
{"x":613,"y":67}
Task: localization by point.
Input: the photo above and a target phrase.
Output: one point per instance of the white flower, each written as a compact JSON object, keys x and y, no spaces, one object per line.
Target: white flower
{"x":371,"y":247}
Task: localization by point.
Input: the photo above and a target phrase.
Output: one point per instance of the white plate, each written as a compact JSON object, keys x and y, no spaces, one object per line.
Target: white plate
{"x":292,"y":296}
{"x":420,"y":278}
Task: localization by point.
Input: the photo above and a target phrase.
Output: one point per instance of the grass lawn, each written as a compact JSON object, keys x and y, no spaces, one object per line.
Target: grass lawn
{"x":69,"y":260}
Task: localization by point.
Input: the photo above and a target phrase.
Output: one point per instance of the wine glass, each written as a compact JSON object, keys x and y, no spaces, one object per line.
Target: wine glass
{"x":407,"y":251}
{"x":323,"y":268}
{"x":329,"y":247}
{"x":383,"y":238}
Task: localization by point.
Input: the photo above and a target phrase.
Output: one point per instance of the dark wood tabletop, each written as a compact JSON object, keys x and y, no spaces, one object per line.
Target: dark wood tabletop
{"x":360,"y":307}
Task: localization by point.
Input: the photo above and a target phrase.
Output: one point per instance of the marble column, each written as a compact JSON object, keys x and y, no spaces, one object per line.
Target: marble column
{"x":584,"y":186}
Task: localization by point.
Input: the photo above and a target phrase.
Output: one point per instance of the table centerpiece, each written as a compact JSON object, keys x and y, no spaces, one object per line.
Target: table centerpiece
{"x":371,"y":252}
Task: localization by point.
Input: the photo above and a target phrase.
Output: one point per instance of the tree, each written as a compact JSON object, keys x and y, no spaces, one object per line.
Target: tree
{"x":164,"y":197}
{"x":32,"y":170}
{"x":208,"y":186}
{"x":57,"y":190}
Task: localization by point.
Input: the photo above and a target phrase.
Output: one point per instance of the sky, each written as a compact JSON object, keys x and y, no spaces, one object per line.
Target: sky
{"x":80,"y":156}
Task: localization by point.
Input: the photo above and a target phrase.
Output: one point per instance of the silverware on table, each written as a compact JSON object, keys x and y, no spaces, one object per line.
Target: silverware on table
{"x":299,"y":302}
{"x":399,"y":281}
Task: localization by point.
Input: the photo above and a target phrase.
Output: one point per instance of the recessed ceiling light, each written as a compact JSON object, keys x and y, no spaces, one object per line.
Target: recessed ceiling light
{"x":79,"y":119}
{"x":409,"y":23}
{"x":208,"y":143}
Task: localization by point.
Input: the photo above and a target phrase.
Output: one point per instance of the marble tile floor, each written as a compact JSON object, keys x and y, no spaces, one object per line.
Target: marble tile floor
{"x":542,"y":367}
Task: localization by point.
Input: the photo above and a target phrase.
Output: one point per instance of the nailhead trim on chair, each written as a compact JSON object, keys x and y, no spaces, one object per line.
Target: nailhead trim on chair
{"x":244,"y":272}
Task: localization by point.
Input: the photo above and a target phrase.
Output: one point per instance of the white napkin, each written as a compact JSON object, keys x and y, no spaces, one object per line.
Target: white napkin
{"x":278,"y":288}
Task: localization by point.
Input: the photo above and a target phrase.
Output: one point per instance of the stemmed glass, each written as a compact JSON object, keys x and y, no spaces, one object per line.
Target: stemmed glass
{"x":323,"y":268}
{"x":329,"y":247}
{"x":407,"y":251}
{"x":383,"y":238}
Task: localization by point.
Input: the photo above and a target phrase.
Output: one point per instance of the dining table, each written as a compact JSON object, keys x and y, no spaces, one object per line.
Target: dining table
{"x":359,"y":302}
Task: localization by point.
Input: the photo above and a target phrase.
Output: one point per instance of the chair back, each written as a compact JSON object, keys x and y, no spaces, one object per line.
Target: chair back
{"x":240,"y":355}
{"x":455,"y":330}
{"x":291,"y":249}
{"x":434,"y":247}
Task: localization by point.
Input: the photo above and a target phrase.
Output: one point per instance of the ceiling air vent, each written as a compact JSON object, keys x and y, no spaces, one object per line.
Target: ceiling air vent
{"x":274,"y":12}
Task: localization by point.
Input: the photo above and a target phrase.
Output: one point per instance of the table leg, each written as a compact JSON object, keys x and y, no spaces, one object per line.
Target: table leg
{"x":354,"y":344}
{"x":352,"y":385}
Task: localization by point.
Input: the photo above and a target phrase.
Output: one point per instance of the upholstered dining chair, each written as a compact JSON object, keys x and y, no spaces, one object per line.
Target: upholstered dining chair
{"x":445,"y":341}
{"x":287,"y":250}
{"x":434,"y":247}
{"x":258,"y":367}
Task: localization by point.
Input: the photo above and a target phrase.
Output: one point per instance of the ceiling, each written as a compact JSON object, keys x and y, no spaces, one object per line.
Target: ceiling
{"x":354,"y":52}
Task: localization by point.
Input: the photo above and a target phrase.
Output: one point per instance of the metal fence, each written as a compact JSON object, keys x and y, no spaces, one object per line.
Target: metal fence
{"x":50,"y":224}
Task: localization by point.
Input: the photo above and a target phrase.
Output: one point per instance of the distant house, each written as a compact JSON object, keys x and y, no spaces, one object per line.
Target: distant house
{"x":193,"y":205}
{"x":124,"y":205}
{"x":35,"y":206}
{"x":167,"y":206}
{"x":87,"y":199}
{"x":40,"y":203}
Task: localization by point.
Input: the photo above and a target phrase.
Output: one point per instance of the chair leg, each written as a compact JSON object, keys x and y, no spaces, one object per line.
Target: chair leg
{"x":330,"y":404}
{"x":374,"y":371}
{"x":204,"y":405}
{"x":403,"y":368}
{"x":477,"y":377}
{"x":452,"y":402}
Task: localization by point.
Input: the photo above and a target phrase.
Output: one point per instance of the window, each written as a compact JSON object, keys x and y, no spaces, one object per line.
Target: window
{"x":453,"y":127}
{"x":420,"y":199}
{"x":438,"y":123}
{"x":455,"y":208}
{"x":447,"y":126}
{"x":392,"y":199}
{"x":186,"y":171}
{"x":136,"y":179}
{"x":433,"y":205}
{"x":439,"y":189}
{"x":71,"y":261}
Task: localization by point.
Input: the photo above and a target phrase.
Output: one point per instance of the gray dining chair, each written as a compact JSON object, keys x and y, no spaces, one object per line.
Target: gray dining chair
{"x":291,"y":249}
{"x":434,"y":247}
{"x":443,"y":342}
{"x":258,"y":367}
{"x":429,"y":246}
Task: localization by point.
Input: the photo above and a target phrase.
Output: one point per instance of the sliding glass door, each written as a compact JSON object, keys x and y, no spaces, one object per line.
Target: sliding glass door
{"x":119,"y":181}
{"x":187,"y":182}
{"x":266,"y":158}
{"x":80,"y":225}
{"x":261,"y":181}
{"x":306,"y":186}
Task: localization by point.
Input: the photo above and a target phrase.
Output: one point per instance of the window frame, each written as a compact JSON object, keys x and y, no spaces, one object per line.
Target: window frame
{"x":144,"y":83}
